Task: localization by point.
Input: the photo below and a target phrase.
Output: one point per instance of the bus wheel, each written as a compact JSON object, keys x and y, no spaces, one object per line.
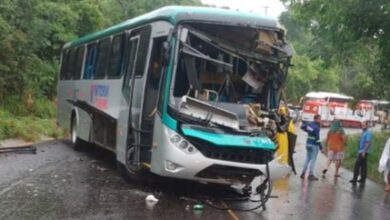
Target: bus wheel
{"x":74,"y":139}
{"x":131,"y":170}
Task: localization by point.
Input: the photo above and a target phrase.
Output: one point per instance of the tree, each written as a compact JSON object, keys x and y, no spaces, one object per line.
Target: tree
{"x":32,"y":33}
{"x":353,"y":34}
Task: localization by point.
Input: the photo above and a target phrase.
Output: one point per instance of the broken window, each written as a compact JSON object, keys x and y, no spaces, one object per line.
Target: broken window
{"x":229,"y":68}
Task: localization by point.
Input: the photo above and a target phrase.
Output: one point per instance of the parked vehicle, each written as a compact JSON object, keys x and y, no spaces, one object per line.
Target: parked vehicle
{"x":295,"y":112}
{"x":372,"y":111}
{"x":328,"y":105}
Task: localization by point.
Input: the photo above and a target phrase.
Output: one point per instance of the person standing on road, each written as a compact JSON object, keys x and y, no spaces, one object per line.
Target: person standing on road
{"x":313,"y":145}
{"x":335,"y":145}
{"x":384,"y":164}
{"x":286,"y":139}
{"x":361,"y":161}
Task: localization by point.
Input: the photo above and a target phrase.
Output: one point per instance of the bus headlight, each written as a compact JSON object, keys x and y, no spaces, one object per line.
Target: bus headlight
{"x":175,"y":139}
{"x":181,"y":143}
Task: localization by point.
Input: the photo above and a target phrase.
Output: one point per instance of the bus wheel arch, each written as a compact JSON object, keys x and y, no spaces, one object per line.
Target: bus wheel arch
{"x":132,"y":172}
{"x":75,"y":141}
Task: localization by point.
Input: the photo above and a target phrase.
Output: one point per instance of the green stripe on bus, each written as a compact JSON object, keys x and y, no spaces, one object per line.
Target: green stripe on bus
{"x":176,"y":14}
{"x":228,"y":140}
{"x":166,"y":118}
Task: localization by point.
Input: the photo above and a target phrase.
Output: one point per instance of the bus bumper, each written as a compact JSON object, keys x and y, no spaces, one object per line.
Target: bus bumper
{"x":170,"y":161}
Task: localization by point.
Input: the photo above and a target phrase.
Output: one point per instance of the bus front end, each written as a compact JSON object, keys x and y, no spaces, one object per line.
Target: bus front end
{"x":218,"y":104}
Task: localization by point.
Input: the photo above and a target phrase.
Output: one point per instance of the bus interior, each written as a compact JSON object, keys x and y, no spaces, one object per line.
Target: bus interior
{"x":229,"y":76}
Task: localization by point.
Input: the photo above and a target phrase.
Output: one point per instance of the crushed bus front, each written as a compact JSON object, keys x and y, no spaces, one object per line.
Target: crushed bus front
{"x":222,"y":91}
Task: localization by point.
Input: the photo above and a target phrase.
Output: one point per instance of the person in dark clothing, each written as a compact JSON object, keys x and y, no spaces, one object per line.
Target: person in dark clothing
{"x":313,"y":145}
{"x":363,"y":150}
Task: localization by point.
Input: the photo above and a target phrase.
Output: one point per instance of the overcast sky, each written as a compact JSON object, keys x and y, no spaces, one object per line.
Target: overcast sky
{"x":265,"y":7}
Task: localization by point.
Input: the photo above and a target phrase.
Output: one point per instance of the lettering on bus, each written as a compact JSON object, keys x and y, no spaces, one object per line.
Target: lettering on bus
{"x":99,"y":95}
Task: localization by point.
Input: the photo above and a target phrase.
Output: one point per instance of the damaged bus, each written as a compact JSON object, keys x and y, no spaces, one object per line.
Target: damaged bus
{"x":182,"y":92}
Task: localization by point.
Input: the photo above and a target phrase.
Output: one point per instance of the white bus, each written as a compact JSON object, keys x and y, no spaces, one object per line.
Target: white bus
{"x":168,"y":92}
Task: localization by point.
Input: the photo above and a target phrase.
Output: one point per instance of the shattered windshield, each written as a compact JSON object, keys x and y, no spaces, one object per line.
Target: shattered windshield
{"x":228,"y":68}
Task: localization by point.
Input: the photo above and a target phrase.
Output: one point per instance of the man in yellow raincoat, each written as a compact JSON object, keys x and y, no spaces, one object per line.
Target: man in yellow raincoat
{"x":286,"y":138}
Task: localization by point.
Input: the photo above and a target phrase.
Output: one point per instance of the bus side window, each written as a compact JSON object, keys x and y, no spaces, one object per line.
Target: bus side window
{"x":140,"y":65}
{"x":64,"y":64}
{"x":116,"y":58}
{"x":71,"y":64}
{"x":90,"y":63}
{"x":154,"y":75}
{"x":102,"y":59}
{"x":79,"y":63}
{"x":138,"y":47}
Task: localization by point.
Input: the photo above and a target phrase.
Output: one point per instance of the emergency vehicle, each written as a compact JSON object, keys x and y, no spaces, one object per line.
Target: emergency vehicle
{"x":329,"y":105}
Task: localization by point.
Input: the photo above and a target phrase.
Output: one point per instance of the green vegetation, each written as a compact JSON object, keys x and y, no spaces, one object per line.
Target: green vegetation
{"x":378,"y":144}
{"x":32,"y":33}
{"x":28,"y":125}
{"x":341,"y":46}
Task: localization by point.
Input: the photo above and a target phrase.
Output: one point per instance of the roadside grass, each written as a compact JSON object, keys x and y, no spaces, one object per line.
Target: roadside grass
{"x":29,"y":124}
{"x":379,"y":140}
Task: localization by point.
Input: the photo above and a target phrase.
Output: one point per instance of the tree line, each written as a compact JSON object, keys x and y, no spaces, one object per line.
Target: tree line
{"x":341,"y":46}
{"x":32,"y":33}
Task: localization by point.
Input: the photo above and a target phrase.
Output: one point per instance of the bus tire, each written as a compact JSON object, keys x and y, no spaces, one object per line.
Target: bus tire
{"x":130,"y":171}
{"x":75,"y":141}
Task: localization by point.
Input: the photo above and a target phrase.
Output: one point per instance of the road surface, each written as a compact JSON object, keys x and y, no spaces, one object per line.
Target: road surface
{"x":59,"y":183}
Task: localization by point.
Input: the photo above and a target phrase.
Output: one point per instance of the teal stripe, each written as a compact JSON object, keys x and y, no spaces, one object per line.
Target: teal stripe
{"x":175,"y":14}
{"x":228,"y":140}
{"x":166,"y":118}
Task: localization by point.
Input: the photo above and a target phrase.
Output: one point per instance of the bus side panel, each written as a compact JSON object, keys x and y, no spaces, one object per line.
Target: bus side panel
{"x":103,"y":95}
{"x":64,"y":107}
{"x":123,"y":119}
{"x":84,"y":124}
{"x":121,"y":135}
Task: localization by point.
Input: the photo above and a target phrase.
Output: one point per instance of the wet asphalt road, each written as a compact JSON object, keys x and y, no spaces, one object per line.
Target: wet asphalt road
{"x":59,"y":183}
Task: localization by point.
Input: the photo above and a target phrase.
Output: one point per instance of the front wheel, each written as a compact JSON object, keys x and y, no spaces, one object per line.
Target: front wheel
{"x":133,"y":170}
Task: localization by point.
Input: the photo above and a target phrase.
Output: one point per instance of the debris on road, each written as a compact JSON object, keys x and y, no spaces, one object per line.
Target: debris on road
{"x":197,"y":210}
{"x":150,"y":201}
{"x":151,"y":198}
{"x":198,"y":207}
{"x":188,"y":199}
{"x":19,"y":149}
{"x":101,"y":169}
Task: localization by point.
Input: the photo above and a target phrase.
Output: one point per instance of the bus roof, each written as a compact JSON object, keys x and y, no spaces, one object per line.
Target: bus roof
{"x":325,"y":95}
{"x":176,"y":14}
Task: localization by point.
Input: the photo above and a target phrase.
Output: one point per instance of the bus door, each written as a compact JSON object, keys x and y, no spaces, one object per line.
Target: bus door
{"x":152,"y":87}
{"x":129,"y":128}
